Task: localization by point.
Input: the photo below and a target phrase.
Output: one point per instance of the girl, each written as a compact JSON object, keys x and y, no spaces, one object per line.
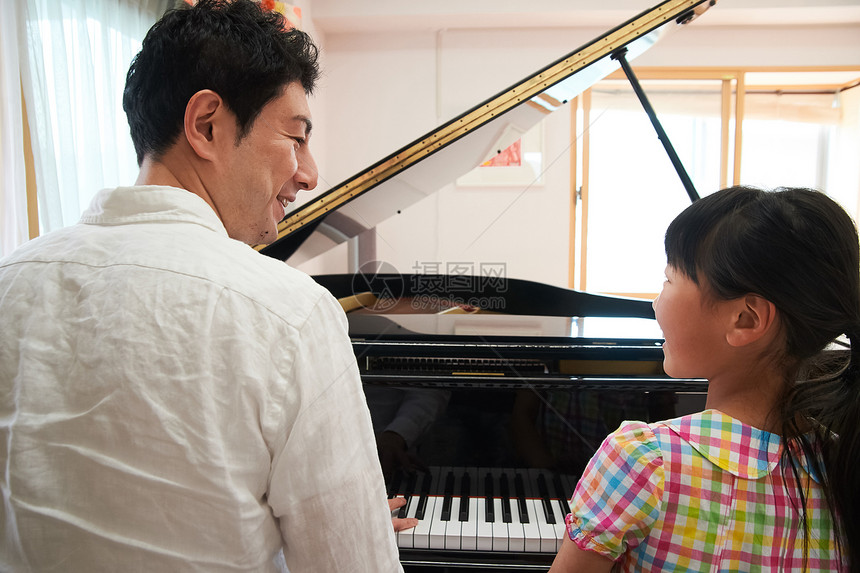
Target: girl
{"x":757,"y":285}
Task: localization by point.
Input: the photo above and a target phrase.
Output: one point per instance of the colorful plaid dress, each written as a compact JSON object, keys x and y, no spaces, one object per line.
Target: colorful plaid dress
{"x":699,"y":493}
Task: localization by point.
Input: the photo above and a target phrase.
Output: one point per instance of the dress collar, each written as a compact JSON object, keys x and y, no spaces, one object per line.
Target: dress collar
{"x":735,"y":447}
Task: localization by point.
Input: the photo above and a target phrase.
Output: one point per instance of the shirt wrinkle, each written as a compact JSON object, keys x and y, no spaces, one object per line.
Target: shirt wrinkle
{"x":269,"y":308}
{"x":150,"y":371}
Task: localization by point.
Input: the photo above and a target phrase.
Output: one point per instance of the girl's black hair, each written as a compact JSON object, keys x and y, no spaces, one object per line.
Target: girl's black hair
{"x":798,"y":249}
{"x":232,"y":47}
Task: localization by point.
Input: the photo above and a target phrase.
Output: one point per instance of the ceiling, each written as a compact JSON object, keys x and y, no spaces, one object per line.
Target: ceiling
{"x":345,"y":16}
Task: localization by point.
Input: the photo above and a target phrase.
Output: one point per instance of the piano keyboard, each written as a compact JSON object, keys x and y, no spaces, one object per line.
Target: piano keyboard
{"x":484,"y":509}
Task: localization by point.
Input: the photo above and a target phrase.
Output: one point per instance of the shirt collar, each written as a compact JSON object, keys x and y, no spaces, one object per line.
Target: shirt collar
{"x":150,"y":203}
{"x":742,"y":450}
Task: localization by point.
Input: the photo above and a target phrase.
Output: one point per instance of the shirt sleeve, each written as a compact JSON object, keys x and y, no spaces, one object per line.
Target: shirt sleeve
{"x":326,"y":486}
{"x":419,"y":408}
{"x":618,"y":498}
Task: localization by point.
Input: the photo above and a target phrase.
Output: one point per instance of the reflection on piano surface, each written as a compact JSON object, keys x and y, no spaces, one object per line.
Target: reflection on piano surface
{"x":489,"y":394}
{"x":499,"y":413}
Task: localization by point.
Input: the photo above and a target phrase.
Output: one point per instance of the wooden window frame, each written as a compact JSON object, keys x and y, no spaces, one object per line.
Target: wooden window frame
{"x":733,"y":91}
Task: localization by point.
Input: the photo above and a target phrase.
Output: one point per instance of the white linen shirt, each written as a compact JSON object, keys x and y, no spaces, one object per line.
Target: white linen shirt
{"x":172,"y":400}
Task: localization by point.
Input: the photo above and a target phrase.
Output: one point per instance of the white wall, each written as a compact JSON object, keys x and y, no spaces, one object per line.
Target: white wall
{"x":384,"y":88}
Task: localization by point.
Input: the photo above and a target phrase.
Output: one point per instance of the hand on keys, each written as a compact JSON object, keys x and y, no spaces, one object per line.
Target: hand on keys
{"x":400,"y":524}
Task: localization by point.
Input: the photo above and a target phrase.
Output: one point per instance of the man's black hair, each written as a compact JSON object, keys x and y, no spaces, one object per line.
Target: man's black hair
{"x":232,"y":47}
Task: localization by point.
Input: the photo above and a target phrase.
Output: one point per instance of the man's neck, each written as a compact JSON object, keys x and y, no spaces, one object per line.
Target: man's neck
{"x":173,"y":171}
{"x":154,"y":172}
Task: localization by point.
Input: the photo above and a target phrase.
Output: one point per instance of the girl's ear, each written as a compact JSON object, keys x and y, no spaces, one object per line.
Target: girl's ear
{"x":752,"y":318}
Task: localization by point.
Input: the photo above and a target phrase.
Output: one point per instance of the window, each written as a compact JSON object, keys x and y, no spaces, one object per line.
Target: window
{"x":792,"y":133}
{"x":77,"y":54}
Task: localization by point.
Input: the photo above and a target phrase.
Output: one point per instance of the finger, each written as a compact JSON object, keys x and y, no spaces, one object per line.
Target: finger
{"x":403,"y":524}
{"x":396,"y":502}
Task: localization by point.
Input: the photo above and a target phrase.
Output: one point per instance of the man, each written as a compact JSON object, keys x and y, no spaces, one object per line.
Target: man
{"x":170,"y":399}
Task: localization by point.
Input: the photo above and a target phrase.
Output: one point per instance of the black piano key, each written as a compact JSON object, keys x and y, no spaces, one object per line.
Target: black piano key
{"x":422,"y":506}
{"x":401,"y":513}
{"x":520,"y":488}
{"x":465,"y":487}
{"x":448,"y":497}
{"x":562,"y":494}
{"x":408,"y":491}
{"x":545,"y":498}
{"x":489,"y":510}
{"x":422,"y":499}
{"x":506,"y":499}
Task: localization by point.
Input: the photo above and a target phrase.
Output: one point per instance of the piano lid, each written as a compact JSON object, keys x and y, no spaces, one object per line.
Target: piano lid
{"x":510,"y":328}
{"x":458,"y":146}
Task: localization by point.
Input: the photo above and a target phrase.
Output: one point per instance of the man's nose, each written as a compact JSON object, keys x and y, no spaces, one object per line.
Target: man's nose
{"x":306,"y":175}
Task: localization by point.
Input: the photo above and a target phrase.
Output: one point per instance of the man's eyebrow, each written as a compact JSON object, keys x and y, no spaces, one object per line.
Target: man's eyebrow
{"x":307,"y":121}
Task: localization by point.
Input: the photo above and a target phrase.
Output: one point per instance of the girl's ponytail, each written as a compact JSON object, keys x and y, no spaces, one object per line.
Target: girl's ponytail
{"x":853,"y":370}
{"x":842,"y":457}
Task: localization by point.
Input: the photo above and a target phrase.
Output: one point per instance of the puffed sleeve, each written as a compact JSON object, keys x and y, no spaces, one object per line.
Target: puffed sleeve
{"x":619,"y":495}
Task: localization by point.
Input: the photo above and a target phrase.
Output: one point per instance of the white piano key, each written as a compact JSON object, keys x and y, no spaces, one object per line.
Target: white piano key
{"x":453,"y":527}
{"x":499,"y":528}
{"x":532,"y":529}
{"x":421,"y":536}
{"x":559,"y":526}
{"x":516,"y":532}
{"x":548,"y":533}
{"x":436,"y":532}
{"x":469,"y":529}
{"x":405,"y":539}
{"x":484,"y":540}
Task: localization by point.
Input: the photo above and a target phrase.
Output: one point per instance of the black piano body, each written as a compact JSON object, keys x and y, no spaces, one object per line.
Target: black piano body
{"x":505,"y":408}
{"x":499,"y":389}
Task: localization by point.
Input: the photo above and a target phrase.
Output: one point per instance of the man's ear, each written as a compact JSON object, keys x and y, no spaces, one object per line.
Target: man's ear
{"x":752,"y":318}
{"x":204,"y":123}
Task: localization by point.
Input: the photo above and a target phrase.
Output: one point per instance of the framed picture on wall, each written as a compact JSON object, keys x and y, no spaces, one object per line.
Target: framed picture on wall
{"x":521,"y":164}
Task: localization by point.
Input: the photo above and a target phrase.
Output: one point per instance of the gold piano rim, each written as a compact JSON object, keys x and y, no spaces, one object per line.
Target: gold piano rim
{"x":479,"y":116}
{"x":610,"y":367}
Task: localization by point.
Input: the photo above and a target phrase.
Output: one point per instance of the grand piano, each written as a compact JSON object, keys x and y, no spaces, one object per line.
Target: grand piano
{"x":489,"y":394}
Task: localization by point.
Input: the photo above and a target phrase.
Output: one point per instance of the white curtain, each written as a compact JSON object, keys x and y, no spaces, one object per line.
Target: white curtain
{"x":13,"y":198}
{"x":74,"y":55}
